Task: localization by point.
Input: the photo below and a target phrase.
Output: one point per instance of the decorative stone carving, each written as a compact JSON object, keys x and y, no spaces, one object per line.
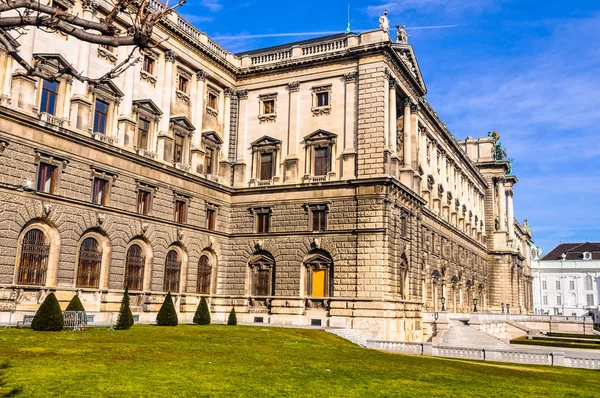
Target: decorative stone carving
{"x":293,"y":87}
{"x":144,"y":228}
{"x":201,"y":75}
{"x":3,"y":145}
{"x":170,"y":56}
{"x":228,"y":91}
{"x":101,"y":218}
{"x":47,"y":208}
{"x":350,"y":77}
{"x":242,"y":94}
{"x":401,"y":35}
{"x":180,"y":235}
{"x":89,"y":5}
{"x":384,"y":23}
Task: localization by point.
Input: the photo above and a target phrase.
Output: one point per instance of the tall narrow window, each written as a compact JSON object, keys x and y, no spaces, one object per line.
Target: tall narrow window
{"x":319,"y":219}
{"x":49,"y":95}
{"x":181,"y":211}
{"x":322,"y":99}
{"x":268,"y":107}
{"x":318,"y":279}
{"x":211,"y":219}
{"x":208,"y":161}
{"x":143,"y":132}
{"x":588,"y":283}
{"x":321,"y":161}
{"x":100,"y":191}
{"x":90,"y":260}
{"x":266,"y":166}
{"x":545,"y":300}
{"x":134,"y":268}
{"x":558,"y":285}
{"x":100,"y":116}
{"x":204,"y":275}
{"x":262,"y":220}
{"x":262,"y":282}
{"x":589,"y":300}
{"x":33,"y":264}
{"x":148,"y":65}
{"x":178,"y":148}
{"x":144,"y":202}
{"x":571,"y":285}
{"x":544,"y":284}
{"x":47,"y":178}
{"x":559,"y":300}
{"x":172,"y":272}
{"x":212,"y":101}
{"x":183,"y":84}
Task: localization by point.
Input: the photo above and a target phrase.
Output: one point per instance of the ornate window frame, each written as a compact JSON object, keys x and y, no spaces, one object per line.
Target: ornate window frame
{"x":185,"y":200}
{"x":183,"y":95}
{"x":214,"y":208}
{"x":149,"y":188}
{"x":58,"y":161}
{"x":147,"y":76}
{"x":262,"y":211}
{"x":111,"y":94}
{"x":180,"y":125}
{"x":315,"y":140}
{"x":212,"y":90}
{"x":261,"y":261}
{"x":319,"y":261}
{"x":52,"y":240}
{"x":109,"y":176}
{"x":310,"y":209}
{"x":211,"y":142}
{"x":321,"y":110}
{"x":267,"y":117}
{"x":147,"y":253}
{"x":146,"y":109}
{"x":105,"y":246}
{"x":260,"y":147}
{"x":110,"y":56}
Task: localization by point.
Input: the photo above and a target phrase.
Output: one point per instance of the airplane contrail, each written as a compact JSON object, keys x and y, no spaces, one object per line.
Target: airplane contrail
{"x":242,"y":36}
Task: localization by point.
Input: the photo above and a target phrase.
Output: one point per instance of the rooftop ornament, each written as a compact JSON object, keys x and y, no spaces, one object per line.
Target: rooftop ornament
{"x":498,"y":152}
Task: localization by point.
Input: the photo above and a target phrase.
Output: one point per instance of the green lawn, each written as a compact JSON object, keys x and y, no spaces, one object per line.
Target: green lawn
{"x":255,"y":361}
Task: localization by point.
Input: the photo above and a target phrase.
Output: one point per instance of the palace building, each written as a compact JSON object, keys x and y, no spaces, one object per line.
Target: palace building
{"x":305,"y":184}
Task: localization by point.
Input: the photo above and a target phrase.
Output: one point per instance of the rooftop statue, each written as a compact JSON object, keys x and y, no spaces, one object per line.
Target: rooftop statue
{"x":498,"y":152}
{"x":384,"y":23}
{"x":401,"y":35}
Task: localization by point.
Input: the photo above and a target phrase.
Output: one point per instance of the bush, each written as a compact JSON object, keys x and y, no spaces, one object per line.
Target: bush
{"x":125,"y":319}
{"x":75,"y":305}
{"x":49,"y":317}
{"x":202,"y":315}
{"x":167,"y":316}
{"x":232,"y":321}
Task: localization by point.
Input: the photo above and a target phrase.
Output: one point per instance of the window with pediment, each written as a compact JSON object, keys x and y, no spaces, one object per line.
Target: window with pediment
{"x":177,"y":146}
{"x":262,"y":274}
{"x":319,"y":274}
{"x":319,"y":154}
{"x":317,"y":213}
{"x":265,"y":158}
{"x":51,"y":93}
{"x":211,"y":143}
{"x":147,"y":116}
{"x":106,"y":99}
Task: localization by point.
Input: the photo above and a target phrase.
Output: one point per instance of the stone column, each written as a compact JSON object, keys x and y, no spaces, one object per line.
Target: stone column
{"x":393,"y":129}
{"x":228,"y":92}
{"x":349,"y":153}
{"x":291,"y":162}
{"x":83,"y":58}
{"x":511,"y":214}
{"x":501,"y":204}
{"x":197,"y":117}
{"x":167,"y":91}
{"x":239,"y":168}
{"x":407,"y":134}
{"x":126,"y":125}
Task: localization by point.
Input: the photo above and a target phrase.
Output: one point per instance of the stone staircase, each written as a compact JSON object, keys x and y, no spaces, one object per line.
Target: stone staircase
{"x":354,"y":336}
{"x":461,"y":334}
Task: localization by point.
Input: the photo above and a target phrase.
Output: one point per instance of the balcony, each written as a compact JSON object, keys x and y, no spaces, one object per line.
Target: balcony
{"x":51,"y":119}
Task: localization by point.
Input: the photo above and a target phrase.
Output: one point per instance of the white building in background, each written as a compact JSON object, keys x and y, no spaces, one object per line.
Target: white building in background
{"x":566,"y":281}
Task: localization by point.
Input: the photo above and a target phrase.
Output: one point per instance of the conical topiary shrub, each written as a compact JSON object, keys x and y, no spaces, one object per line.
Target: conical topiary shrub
{"x":75,"y":305}
{"x":232,"y":321}
{"x":167,"y":316}
{"x":125,"y":320}
{"x":49,"y":317}
{"x":202,"y":315}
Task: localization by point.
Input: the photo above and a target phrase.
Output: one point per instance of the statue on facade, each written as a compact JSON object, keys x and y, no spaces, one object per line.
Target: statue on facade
{"x":384,"y":23}
{"x":401,"y":35}
{"x":498,"y":152}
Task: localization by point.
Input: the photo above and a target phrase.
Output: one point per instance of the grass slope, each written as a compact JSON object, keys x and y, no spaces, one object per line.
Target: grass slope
{"x":217,"y":360}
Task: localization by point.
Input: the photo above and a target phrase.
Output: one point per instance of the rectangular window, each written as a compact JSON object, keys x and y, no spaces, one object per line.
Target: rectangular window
{"x":47,"y":178}
{"x":178,"y":149}
{"x":100,"y":116}
{"x":558,"y":300}
{"x":262,"y":222}
{"x":143,"y":132}
{"x":208,"y":160}
{"x":180,"y":211}
{"x":183,"y":84}
{"x":144,"y":202}
{"x":319,"y":220}
{"x":49,"y":94}
{"x":211,"y":219}
{"x":321,"y":161}
{"x":268,"y":107}
{"x":557,"y":285}
{"x":545,"y":301}
{"x":262,"y":282}
{"x":571,"y":285}
{"x":148,"y":65}
{"x":544,"y":285}
{"x":100,"y":191}
{"x":212,"y":101}
{"x":266,"y":166}
{"x":322,"y":99}
{"x":590,"y":300}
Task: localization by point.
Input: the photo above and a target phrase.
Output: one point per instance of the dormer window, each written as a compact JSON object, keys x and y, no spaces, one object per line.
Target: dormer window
{"x":587,"y":256}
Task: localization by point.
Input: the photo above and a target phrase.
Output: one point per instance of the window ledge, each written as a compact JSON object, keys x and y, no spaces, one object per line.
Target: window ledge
{"x":211,"y":111}
{"x":147,"y":76}
{"x":103,"y":138}
{"x":182,"y":166}
{"x":104,"y":53}
{"x":51,"y":119}
{"x":182,"y":96}
{"x":147,"y":154}
{"x":271,"y":117}
{"x":321,"y":110}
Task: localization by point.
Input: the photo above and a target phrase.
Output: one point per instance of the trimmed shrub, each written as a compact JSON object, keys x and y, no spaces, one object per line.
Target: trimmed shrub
{"x":49,"y":317}
{"x":232,"y":321}
{"x":167,"y":316}
{"x":75,"y":305}
{"x":202,"y":315}
{"x":125,"y":319}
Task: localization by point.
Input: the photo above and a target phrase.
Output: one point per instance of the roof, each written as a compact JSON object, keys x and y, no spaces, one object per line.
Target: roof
{"x":574,"y":251}
{"x":296,"y":43}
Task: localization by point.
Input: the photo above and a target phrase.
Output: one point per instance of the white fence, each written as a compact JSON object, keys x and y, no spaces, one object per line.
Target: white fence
{"x":498,"y":355}
{"x":73,"y":319}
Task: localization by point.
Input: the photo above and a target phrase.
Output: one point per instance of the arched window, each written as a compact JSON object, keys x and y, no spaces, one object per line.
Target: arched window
{"x":262,"y":267}
{"x":134,"y":268}
{"x":319,"y":274}
{"x":172,"y":272}
{"x":204,"y":275}
{"x":34,"y":259}
{"x":90,"y":262}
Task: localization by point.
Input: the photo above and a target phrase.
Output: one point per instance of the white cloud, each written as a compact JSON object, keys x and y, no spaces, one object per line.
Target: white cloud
{"x":212,"y":5}
{"x":451,"y":6}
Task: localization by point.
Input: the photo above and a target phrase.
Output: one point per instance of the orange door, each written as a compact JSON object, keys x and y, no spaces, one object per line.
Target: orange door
{"x":318,"y":283}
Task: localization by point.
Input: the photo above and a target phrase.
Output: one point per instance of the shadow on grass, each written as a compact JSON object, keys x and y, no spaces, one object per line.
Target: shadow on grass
{"x":5,"y":389}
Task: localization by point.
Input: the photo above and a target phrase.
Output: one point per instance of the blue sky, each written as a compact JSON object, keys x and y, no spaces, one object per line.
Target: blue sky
{"x":527,"y":68}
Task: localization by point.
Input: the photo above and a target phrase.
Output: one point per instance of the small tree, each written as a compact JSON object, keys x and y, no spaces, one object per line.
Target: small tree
{"x":49,"y":317}
{"x":232,"y":321}
{"x":75,"y":305}
{"x":202,"y":315}
{"x":125,"y":320}
{"x":167,"y":316}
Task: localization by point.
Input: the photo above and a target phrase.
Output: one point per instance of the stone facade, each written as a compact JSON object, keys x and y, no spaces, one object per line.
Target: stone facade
{"x":254,"y":147}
